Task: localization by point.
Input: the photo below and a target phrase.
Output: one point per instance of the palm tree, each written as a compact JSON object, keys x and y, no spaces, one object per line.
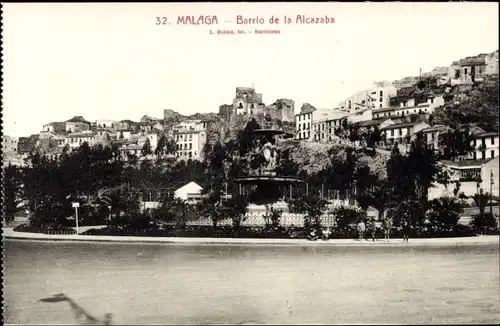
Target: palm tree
{"x":481,"y":199}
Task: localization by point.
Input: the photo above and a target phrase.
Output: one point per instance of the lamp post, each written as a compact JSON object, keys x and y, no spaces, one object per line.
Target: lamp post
{"x":491,"y":193}
{"x":75,"y":206}
{"x":109,"y":212}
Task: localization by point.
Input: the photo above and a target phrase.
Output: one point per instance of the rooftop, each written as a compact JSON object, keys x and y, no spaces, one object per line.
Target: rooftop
{"x":81,"y":135}
{"x":400,"y":125}
{"x":78,"y":118}
{"x":465,"y":163}
{"x":436,"y":128}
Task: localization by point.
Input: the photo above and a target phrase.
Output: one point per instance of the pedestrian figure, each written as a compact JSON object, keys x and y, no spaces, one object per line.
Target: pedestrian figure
{"x":372,"y":227}
{"x":361,"y":229}
{"x":406,"y":230}
{"x":326,"y":233}
{"x":387,"y":228}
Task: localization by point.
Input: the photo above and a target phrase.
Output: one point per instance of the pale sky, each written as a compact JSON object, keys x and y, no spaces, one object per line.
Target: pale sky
{"x":111,"y":61}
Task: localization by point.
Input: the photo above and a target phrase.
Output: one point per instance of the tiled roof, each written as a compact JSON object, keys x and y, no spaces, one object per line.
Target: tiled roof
{"x":486,"y":134}
{"x":81,"y":135}
{"x":78,"y":118}
{"x":399,"y":125}
{"x":384,"y":110}
{"x":436,"y":128}
{"x":465,"y":163}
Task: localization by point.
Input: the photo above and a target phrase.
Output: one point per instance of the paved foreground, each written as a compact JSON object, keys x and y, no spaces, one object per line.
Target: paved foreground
{"x":9,"y":233}
{"x":192,"y":284}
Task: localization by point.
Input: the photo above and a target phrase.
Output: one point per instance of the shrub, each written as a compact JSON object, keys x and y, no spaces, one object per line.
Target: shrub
{"x":43,"y":230}
{"x":484,"y":223}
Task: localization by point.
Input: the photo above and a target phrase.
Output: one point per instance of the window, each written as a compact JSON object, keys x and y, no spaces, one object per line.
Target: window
{"x":483,"y":142}
{"x":380,"y":105}
{"x":304,"y":126}
{"x":465,"y":71}
{"x":381,"y":99}
{"x":308,"y":134}
{"x":190,"y":145}
{"x":308,"y":125}
{"x":432,"y":136}
{"x":483,"y":154}
{"x":492,"y":140}
{"x":392,"y":132}
{"x":400,"y":132}
{"x":381,"y":93}
{"x":492,"y":153}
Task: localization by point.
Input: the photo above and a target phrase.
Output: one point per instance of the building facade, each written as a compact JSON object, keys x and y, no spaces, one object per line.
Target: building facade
{"x":9,"y":144}
{"x":376,"y":97}
{"x":485,"y":146}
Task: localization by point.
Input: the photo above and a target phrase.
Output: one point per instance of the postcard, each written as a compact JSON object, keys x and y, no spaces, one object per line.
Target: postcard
{"x":250,"y":163}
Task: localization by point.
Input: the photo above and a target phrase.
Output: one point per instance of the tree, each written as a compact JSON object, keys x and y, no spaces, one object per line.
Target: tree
{"x":484,"y":222}
{"x":313,"y":206}
{"x":344,"y":217}
{"x":272,"y":217}
{"x":444,"y":213}
{"x":146,"y":148}
{"x":160,"y":148}
{"x":478,"y":106}
{"x":457,"y":143}
{"x":12,"y":192}
{"x":236,"y":208}
{"x":211,"y":206}
{"x":374,"y":137}
{"x":481,"y":199}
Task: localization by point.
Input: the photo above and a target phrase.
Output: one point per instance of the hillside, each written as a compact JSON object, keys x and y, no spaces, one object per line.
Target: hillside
{"x":172,"y":116}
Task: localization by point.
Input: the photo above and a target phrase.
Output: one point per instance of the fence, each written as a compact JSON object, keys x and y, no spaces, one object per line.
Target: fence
{"x":258,"y":220}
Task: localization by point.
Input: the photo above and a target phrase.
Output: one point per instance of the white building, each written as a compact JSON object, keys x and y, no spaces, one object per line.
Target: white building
{"x":191,"y":189}
{"x":9,"y":144}
{"x":376,"y":97}
{"x":190,"y":143}
{"x":402,"y":132}
{"x":76,"y":139}
{"x":106,"y":124}
{"x":324,"y":129}
{"x":485,"y":146}
{"x":409,"y":107}
{"x":305,"y":120}
{"x":473,"y":176}
{"x":153,"y":140}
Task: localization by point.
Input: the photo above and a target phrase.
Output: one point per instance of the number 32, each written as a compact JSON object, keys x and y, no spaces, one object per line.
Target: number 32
{"x":161,"y":20}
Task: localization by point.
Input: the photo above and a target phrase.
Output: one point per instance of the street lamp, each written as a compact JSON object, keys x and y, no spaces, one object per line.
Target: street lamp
{"x":75,"y":206}
{"x":491,"y":193}
{"x":109,"y":211}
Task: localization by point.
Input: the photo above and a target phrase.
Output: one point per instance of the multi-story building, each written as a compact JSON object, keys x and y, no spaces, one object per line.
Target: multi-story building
{"x":190,"y":137}
{"x":76,"y":139}
{"x":376,"y":97}
{"x":472,"y":175}
{"x":485,"y":146}
{"x":402,"y":132}
{"x":433,"y":136}
{"x":9,"y":144}
{"x":305,"y":120}
{"x":324,"y":129}
{"x":190,"y":144}
{"x":410,"y":107}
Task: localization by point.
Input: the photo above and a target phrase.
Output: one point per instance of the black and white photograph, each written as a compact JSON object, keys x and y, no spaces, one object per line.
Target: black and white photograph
{"x":244,"y":163}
